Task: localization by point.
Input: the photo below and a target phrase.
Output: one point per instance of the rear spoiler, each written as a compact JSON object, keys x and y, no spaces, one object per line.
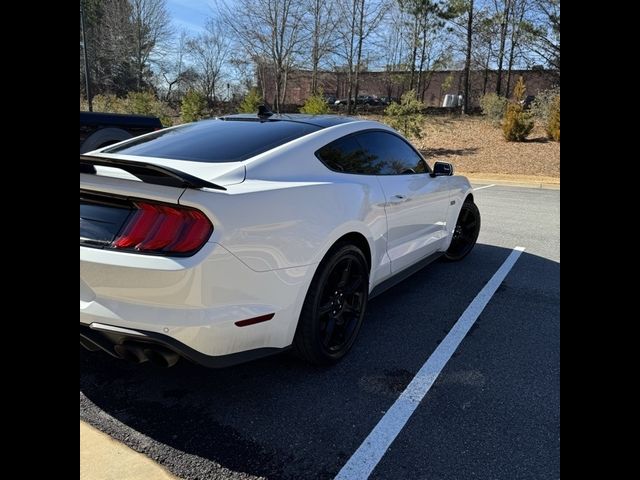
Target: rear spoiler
{"x":147,"y":172}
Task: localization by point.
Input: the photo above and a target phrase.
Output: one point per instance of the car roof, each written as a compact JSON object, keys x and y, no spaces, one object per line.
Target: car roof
{"x":231,"y":138}
{"x":322,"y":121}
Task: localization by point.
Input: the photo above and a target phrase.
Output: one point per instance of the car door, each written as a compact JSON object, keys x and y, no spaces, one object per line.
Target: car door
{"x":416,"y":204}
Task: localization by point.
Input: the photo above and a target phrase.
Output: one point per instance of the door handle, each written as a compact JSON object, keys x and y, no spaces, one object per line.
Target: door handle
{"x":399,"y":197}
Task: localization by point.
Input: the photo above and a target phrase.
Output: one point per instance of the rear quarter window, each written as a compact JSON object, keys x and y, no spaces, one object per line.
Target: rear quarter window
{"x":372,"y":153}
{"x":347,"y":155}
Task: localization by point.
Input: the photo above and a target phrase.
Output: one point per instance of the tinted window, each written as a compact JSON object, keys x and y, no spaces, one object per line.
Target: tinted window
{"x":216,"y":141}
{"x":372,"y":153}
{"x":391,"y":154}
{"x":347,"y":155}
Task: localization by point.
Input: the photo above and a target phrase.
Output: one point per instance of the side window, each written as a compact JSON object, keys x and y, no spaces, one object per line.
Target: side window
{"x":390,"y":154}
{"x":347,"y":155}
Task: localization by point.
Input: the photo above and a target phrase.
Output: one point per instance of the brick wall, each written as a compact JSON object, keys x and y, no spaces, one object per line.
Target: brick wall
{"x":395,"y":83}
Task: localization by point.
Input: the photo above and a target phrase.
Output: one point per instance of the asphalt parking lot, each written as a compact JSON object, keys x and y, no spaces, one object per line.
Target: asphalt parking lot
{"x":492,"y":413}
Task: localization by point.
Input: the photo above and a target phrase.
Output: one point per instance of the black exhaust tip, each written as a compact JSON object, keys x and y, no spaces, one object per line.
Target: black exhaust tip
{"x":131,"y":353}
{"x":162,"y":357}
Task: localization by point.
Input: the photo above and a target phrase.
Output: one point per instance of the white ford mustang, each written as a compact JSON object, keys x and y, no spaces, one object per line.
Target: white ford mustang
{"x":230,"y":239}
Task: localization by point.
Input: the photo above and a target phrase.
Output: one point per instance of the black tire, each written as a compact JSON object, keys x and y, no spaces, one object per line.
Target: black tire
{"x":465,"y":233}
{"x":334,"y":307}
{"x":103,"y":137}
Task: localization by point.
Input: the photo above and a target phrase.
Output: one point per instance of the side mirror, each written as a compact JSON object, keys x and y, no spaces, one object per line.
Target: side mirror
{"x":442,"y":169}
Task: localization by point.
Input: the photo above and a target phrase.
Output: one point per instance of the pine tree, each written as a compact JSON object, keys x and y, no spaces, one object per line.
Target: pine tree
{"x":517,"y":123}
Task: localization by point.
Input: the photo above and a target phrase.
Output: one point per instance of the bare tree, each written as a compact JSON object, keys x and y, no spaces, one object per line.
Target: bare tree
{"x":435,"y":55}
{"x":151,"y":26}
{"x":394,"y":45}
{"x":320,"y":26}
{"x":503,"y":10}
{"x":362,"y":17}
{"x":209,"y":52}
{"x":467,"y":62}
{"x":517,"y":22}
{"x":461,"y":15}
{"x":487,"y":36}
{"x":173,"y":67}
{"x":267,"y":30}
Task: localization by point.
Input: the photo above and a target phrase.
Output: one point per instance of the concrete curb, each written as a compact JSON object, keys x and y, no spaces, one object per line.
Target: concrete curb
{"x":527,"y":181}
{"x":103,"y":458}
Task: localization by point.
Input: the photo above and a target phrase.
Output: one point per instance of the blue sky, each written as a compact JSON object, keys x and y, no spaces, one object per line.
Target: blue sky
{"x":189,"y":15}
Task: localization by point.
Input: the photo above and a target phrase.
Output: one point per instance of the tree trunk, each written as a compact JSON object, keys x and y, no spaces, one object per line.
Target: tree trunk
{"x":509,"y":69}
{"x":414,"y":51}
{"x":315,"y":48}
{"x":467,"y":63}
{"x":359,"y":58}
{"x":139,"y":56}
{"x":278,"y":81}
{"x":350,"y":59}
{"x":515,"y":37}
{"x":503,"y":39}
{"x":420,"y":93}
{"x":262,"y":80}
{"x":284,"y":86}
{"x":486,"y":74}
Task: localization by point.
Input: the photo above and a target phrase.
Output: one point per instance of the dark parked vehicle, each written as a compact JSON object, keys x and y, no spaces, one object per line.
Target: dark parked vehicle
{"x":362,"y":100}
{"x":330,"y":99}
{"x":368,"y":100}
{"x":102,"y":129}
{"x":526,"y":103}
{"x":384,"y":100}
{"x":342,"y":101}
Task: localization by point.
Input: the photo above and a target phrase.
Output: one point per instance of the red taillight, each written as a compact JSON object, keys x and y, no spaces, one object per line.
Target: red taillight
{"x":155,"y":228}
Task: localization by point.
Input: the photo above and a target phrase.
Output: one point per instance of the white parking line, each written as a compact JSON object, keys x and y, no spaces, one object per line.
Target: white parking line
{"x":485,"y":186}
{"x":365,"y":459}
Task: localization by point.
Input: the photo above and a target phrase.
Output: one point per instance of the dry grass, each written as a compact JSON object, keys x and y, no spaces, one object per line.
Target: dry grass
{"x":475,"y":146}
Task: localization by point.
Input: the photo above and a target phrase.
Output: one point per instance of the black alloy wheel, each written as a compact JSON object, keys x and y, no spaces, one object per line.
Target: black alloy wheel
{"x":465,"y":233}
{"x":334,"y":307}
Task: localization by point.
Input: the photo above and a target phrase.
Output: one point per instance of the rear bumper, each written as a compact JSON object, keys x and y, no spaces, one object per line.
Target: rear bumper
{"x":191,"y":305}
{"x":95,"y":337}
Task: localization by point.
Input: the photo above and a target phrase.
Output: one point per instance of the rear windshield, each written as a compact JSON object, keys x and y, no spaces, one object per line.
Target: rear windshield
{"x":215,"y":141}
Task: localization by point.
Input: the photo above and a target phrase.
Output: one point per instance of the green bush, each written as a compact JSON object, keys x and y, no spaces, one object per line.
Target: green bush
{"x":107,"y":102}
{"x":405,"y":116}
{"x":517,"y":123}
{"x":146,"y":103}
{"x":553,"y":122}
{"x":193,"y":106}
{"x":493,"y":107}
{"x":315,"y":105}
{"x":135,"y":103}
{"x":251,"y":102}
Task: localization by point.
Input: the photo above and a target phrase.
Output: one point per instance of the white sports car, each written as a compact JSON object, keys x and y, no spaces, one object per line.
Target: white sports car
{"x":229,"y":239}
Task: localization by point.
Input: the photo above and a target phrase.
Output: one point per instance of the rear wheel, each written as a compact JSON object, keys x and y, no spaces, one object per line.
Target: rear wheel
{"x":465,"y":233}
{"x":334,"y":307}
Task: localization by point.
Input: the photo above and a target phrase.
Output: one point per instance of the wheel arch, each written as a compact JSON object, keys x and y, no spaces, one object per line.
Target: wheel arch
{"x":461,"y":191}
{"x":353,"y":238}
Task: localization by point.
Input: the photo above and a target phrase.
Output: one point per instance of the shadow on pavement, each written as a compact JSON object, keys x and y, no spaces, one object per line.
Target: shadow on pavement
{"x":278,"y":417}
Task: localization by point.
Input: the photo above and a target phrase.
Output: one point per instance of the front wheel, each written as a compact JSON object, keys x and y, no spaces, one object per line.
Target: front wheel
{"x":334,"y":307}
{"x":465,"y":233}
